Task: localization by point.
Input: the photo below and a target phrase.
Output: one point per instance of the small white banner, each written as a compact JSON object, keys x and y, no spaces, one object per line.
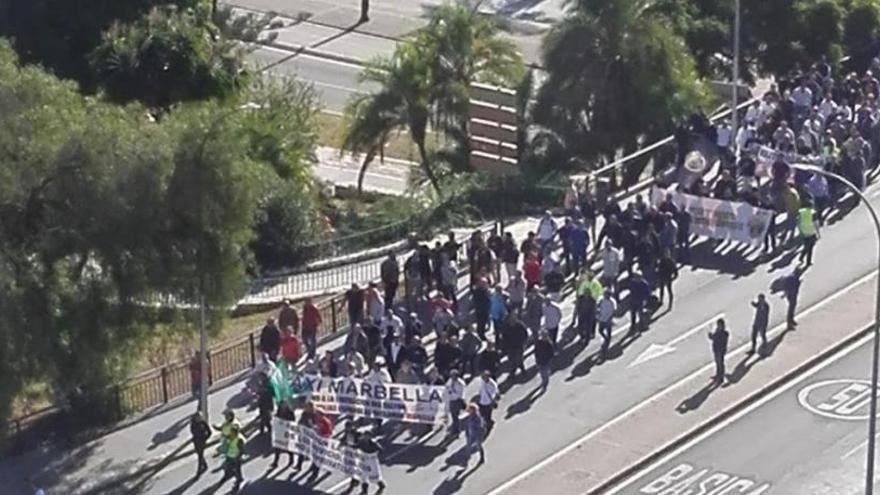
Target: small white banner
{"x":326,"y":453}
{"x":766,"y":156}
{"x":425,"y":404}
{"x":720,"y":219}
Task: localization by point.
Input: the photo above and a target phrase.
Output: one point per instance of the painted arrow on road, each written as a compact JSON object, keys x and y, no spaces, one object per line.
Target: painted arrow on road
{"x":655,"y":351}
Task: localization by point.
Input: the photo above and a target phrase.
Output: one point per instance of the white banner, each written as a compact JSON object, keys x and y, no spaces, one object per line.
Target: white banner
{"x":425,"y":404}
{"x":766,"y":156}
{"x":720,"y":219}
{"x":326,"y":453}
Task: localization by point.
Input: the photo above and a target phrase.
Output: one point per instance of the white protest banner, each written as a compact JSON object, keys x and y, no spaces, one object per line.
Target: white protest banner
{"x":326,"y":453}
{"x":425,"y":404}
{"x":720,"y":219}
{"x":766,"y":156}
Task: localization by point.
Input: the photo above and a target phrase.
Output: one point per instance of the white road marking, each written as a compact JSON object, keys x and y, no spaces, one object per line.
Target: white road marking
{"x":301,"y":54}
{"x":852,"y":395}
{"x":573,"y":445}
{"x":736,"y":417}
{"x":657,"y":350}
{"x":857,"y":448}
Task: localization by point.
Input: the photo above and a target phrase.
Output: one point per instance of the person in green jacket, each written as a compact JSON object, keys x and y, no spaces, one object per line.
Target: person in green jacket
{"x":232,"y":462}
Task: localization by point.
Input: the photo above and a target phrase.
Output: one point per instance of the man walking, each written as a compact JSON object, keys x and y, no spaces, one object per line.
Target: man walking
{"x":791,"y":290}
{"x":488,"y":399}
{"x":515,"y":337}
{"x":639,"y":292}
{"x":232,"y":462}
{"x":311,"y":321}
{"x":808,"y":226}
{"x":201,"y":432}
{"x":390,"y":274}
{"x":552,"y":316}
{"x":759,"y":325}
{"x":544,"y":351}
{"x":605,"y":310}
{"x":719,"y":340}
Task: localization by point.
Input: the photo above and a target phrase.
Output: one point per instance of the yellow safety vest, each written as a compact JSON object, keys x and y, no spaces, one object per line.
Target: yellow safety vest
{"x":596,"y":289}
{"x":233,"y":450}
{"x":805,"y":222}
{"x":583,"y":286}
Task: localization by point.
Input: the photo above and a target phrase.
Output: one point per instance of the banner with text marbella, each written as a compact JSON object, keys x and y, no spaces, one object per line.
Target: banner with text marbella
{"x":393,"y":401}
{"x":326,"y":453}
{"x":719,"y":219}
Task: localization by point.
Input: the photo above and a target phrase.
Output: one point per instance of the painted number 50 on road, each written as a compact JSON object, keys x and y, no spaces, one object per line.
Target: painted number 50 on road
{"x":844,"y":399}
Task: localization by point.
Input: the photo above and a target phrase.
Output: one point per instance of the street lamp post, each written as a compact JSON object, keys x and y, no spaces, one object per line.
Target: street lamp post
{"x":875,"y":365}
{"x":734,"y":118}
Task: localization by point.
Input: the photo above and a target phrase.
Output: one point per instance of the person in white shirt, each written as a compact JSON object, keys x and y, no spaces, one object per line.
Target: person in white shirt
{"x":552,"y":318}
{"x":488,"y":399}
{"x":611,"y":258}
{"x":752,"y":113}
{"x":802,"y":97}
{"x":455,"y":394}
{"x":392,"y":321}
{"x":827,"y":108}
{"x":547,"y":229}
{"x":745,"y":134}
{"x":605,"y":310}
{"x":375,"y":303}
{"x":723,"y":134}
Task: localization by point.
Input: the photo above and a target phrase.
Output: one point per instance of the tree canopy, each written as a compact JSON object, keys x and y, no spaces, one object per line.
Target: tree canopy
{"x":102,"y":207}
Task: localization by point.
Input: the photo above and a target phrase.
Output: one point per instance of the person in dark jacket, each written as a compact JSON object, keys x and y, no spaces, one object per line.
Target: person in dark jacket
{"x":444,"y":354}
{"x":368,"y":445}
{"x":544,"y":352}
{"x":270,"y":339}
{"x":482,"y":300}
{"x":416,"y":354}
{"x":667,"y":272}
{"x":762,"y":319}
{"x":719,"y":339}
{"x":515,"y":337}
{"x":286,"y":413}
{"x":201,"y":432}
{"x":265,"y":405}
{"x":354,"y":298}
{"x":585,"y":306}
{"x":489,"y":360}
{"x":390,"y":274}
{"x":639,"y":292}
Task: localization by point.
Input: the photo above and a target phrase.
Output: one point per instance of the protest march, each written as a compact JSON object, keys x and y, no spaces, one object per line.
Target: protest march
{"x":431,"y":357}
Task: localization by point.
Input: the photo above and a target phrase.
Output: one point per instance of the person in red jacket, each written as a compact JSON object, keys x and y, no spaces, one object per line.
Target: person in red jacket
{"x":532,"y":272}
{"x":323,"y":425}
{"x":311,"y":322}
{"x":290,"y":346}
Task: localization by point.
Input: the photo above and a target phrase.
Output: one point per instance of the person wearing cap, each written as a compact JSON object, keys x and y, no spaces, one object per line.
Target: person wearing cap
{"x":233,"y":455}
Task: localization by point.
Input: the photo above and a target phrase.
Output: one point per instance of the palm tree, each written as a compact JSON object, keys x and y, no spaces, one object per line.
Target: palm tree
{"x":402,"y":104}
{"x":428,"y":80}
{"x":617,"y":74}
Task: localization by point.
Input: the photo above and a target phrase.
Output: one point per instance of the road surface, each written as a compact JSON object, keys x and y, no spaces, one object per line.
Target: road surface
{"x":808,"y":438}
{"x":584,"y":395}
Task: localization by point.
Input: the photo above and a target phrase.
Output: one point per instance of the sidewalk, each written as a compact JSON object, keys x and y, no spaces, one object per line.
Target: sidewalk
{"x":606,"y":456}
{"x":332,"y":29}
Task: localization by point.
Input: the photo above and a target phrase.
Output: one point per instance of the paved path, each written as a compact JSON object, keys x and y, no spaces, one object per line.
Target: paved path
{"x":807,"y":438}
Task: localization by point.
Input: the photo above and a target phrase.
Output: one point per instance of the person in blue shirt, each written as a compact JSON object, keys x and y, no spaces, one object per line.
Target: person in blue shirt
{"x":580,"y":241}
{"x":498,"y":312}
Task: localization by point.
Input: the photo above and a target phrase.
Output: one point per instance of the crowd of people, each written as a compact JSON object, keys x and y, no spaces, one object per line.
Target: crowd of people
{"x":599,"y":252}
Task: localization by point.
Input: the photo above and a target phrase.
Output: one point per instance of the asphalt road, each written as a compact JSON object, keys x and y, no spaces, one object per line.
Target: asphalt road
{"x":583,"y":394}
{"x":808,"y":438}
{"x":335,"y":81}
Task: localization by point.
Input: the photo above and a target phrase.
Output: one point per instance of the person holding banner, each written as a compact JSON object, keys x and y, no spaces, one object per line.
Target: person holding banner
{"x":284,"y":413}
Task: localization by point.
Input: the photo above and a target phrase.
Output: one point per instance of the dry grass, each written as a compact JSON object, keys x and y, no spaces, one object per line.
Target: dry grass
{"x":400,"y":146}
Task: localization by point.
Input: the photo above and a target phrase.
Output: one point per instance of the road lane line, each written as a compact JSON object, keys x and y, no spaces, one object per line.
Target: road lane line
{"x":736,"y":417}
{"x":857,"y":447}
{"x":302,"y":54}
{"x":629,"y":412}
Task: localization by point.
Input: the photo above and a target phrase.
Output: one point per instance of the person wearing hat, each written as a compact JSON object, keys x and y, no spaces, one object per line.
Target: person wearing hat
{"x":232,"y":461}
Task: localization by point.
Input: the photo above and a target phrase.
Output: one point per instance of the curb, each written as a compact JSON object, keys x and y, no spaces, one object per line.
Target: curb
{"x":304,"y":50}
{"x":649,"y":459}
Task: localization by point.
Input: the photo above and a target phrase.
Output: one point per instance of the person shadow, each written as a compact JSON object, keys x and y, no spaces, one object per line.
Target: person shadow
{"x":695,"y":401}
{"x":454,"y":484}
{"x":750,"y":360}
{"x":169,"y":433}
{"x":523,"y":405}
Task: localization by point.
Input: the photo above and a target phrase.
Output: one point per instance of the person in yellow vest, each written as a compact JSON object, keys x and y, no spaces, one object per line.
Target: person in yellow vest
{"x":226,"y":431}
{"x":587,"y":283}
{"x":808,"y":226}
{"x":232,"y":461}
